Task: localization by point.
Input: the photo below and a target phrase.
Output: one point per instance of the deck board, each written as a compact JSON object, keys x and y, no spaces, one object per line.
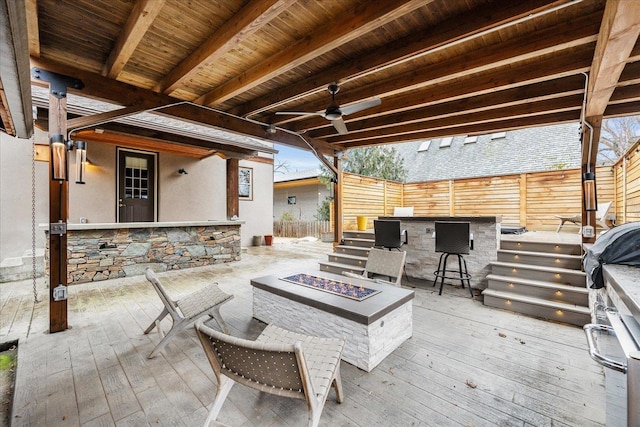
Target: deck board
{"x":97,"y":373}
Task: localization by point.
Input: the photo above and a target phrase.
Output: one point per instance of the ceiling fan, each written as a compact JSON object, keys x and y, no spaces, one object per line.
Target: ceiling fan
{"x":334,"y":112}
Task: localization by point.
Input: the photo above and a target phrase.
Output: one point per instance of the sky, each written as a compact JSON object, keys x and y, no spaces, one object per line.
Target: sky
{"x":296,"y":160}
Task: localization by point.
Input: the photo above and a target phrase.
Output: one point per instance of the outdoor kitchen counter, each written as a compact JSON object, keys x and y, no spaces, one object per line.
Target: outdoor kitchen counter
{"x":171,"y":224}
{"x":625,"y":279}
{"x":101,"y":251}
{"x":422,"y":258}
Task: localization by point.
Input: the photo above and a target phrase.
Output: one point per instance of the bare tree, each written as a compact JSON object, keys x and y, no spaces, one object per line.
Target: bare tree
{"x":281,"y":167}
{"x":616,"y":137}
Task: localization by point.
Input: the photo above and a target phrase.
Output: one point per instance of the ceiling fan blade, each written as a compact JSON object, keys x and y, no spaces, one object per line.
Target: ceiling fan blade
{"x":301,"y":113}
{"x":359,"y":106}
{"x":340,"y":126}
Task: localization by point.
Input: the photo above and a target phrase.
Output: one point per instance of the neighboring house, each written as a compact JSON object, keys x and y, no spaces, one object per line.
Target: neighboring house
{"x":190,"y":185}
{"x":298,"y":194}
{"x":512,"y":152}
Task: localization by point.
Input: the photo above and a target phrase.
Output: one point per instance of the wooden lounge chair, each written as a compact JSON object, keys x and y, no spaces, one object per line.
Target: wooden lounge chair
{"x":185,"y":310}
{"x":382,"y":263}
{"x":601,"y":218}
{"x":279,"y":362}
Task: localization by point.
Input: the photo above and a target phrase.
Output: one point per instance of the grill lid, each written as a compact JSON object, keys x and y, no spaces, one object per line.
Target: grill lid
{"x":620,"y":245}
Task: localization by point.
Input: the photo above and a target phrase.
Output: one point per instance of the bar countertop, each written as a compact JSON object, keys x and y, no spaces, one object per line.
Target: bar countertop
{"x":496,"y":219}
{"x":121,"y":225}
{"x":625,"y":279}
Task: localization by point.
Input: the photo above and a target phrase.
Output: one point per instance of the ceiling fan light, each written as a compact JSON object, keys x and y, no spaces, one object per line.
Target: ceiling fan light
{"x":333,"y":115}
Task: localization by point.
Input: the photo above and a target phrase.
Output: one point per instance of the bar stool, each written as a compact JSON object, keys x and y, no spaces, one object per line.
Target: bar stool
{"x":388,"y":234}
{"x":452,"y":238}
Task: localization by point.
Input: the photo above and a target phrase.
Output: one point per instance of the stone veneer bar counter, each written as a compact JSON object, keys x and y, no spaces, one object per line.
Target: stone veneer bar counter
{"x":373,"y":327}
{"x":422,"y":258}
{"x":108,"y":251}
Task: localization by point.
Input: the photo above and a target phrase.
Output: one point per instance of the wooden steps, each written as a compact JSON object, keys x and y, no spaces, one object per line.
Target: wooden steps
{"x":564,"y":276}
{"x":351,"y":255}
{"x":573,"y":262}
{"x":541,"y":279}
{"x":540,"y":289}
{"x":544,"y":247}
{"x":538,"y":307}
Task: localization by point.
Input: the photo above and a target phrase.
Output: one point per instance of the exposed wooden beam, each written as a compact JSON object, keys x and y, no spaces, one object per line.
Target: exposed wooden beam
{"x":86,"y":121}
{"x":100,"y":87}
{"x":447,"y":33}
{"x":354,"y":23}
{"x":33,"y":27}
{"x":625,"y":109}
{"x":618,"y":35}
{"x":15,"y":91}
{"x":517,"y":50}
{"x":140,"y":142}
{"x":463,"y":129}
{"x":141,"y":18}
{"x":253,"y":16}
{"x":530,"y":109}
{"x":548,"y":68}
{"x":625,"y":94}
{"x":514,"y":97}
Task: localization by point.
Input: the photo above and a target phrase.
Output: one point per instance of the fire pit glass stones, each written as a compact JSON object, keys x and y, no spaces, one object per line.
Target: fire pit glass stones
{"x":336,"y":287}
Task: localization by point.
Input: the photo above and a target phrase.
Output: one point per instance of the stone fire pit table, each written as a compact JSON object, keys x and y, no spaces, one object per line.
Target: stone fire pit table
{"x":373,"y":327}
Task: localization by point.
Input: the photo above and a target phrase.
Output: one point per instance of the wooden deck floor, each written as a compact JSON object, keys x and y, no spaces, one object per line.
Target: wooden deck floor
{"x":466,"y":364}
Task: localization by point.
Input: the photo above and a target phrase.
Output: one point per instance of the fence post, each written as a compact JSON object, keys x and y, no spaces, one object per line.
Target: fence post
{"x":523,"y":200}
{"x":452,"y":198}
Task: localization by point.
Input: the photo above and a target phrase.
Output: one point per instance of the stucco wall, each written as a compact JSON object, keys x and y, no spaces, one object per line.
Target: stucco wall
{"x":96,"y":199}
{"x":258,"y":213}
{"x":308,"y":199}
{"x":199,"y":195}
{"x":15,"y":197}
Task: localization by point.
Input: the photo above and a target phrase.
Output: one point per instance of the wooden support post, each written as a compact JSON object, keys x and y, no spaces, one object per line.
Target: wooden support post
{"x":58,"y":213}
{"x":58,"y":197}
{"x":233,"y":201}
{"x":590,"y":142}
{"x":337,"y":200}
{"x":625,"y":185}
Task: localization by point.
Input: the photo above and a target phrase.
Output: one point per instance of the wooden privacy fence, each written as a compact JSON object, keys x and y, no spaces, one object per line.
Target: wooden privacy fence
{"x":627,"y":185}
{"x":531,"y":199}
{"x":301,"y":228}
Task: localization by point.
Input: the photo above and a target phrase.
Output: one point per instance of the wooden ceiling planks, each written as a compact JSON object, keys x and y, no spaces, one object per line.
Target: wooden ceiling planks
{"x":434,"y":63}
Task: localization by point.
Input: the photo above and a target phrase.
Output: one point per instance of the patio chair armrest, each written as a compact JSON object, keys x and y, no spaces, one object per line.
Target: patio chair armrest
{"x":406,"y":236}
{"x":385,"y":282}
{"x":353,"y":275}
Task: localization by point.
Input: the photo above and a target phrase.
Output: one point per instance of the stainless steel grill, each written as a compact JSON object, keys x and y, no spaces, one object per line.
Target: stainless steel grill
{"x":614,"y":342}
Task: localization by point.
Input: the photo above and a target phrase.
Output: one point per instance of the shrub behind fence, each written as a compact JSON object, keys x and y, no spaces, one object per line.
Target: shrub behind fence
{"x":301,"y":228}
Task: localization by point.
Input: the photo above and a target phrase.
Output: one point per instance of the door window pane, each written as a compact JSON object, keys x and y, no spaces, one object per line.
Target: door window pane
{"x":136,"y":185}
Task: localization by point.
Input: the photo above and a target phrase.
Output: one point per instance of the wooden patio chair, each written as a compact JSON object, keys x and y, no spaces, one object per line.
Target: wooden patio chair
{"x":601,"y":218}
{"x":382,"y":263}
{"x":186,"y":309}
{"x":279,"y":362}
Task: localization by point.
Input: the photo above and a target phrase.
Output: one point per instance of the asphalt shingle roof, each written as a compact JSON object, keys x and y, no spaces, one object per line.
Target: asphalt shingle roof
{"x":520,"y":151}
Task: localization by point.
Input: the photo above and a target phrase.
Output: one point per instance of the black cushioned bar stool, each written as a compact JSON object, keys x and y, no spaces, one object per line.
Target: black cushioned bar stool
{"x":388,"y":234}
{"x":452,"y":238}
